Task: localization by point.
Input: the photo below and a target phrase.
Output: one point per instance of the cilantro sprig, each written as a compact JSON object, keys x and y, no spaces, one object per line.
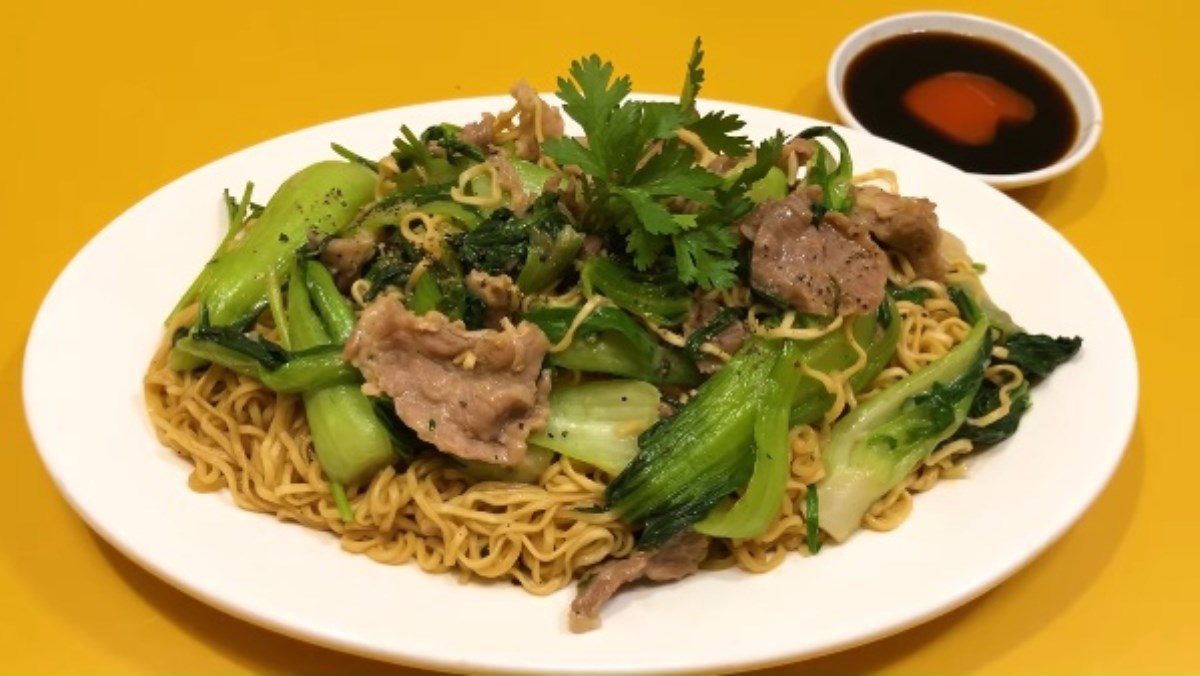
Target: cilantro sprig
{"x":637,"y":173}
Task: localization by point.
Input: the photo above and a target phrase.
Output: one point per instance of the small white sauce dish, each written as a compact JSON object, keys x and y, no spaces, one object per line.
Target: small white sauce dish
{"x":1073,"y":80}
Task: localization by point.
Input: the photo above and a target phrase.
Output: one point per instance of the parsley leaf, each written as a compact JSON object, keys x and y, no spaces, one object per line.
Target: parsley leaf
{"x":717,"y":129}
{"x":692,"y":81}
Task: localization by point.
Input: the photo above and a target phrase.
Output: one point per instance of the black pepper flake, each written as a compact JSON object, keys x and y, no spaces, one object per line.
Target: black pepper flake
{"x":432,"y":424}
{"x":283,"y":237}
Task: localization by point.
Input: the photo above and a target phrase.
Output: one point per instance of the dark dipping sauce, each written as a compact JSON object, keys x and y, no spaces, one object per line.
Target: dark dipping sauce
{"x":878,"y":78}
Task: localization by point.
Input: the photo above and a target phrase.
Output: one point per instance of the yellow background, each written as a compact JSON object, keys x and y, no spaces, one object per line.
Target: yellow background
{"x":101,"y":105}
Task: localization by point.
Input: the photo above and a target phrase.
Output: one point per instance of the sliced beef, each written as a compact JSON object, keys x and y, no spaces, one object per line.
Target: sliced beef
{"x":679,"y":557}
{"x":346,"y":256}
{"x":510,"y":182}
{"x":803,"y":148}
{"x":531,"y":109}
{"x":828,"y":268}
{"x":498,"y":292}
{"x":729,"y":339}
{"x":721,"y":164}
{"x":474,"y":394}
{"x":796,"y":205}
{"x":480,"y":134}
{"x":592,"y":246}
{"x":908,"y":225}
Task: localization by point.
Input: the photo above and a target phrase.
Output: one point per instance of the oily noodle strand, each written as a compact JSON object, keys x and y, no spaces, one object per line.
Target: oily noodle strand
{"x":240,"y":436}
{"x":927,"y":331}
{"x":255,"y":443}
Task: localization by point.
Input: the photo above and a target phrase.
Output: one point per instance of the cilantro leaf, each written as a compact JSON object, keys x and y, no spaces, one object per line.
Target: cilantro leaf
{"x":567,"y":151}
{"x":594,"y":95}
{"x":636,"y":201}
{"x":619,"y":144}
{"x":692,"y":81}
{"x":645,"y":247}
{"x":672,"y":173}
{"x":717,"y":129}
{"x":660,"y":119}
{"x":704,"y":255}
{"x":765,"y":156}
{"x":654,"y":217}
{"x":622,"y":142}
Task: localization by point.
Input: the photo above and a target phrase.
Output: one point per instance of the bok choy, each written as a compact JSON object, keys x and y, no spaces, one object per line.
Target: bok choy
{"x":599,"y":422}
{"x":877,"y":444}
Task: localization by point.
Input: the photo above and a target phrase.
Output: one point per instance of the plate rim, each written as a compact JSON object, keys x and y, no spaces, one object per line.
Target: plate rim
{"x":783,"y":655}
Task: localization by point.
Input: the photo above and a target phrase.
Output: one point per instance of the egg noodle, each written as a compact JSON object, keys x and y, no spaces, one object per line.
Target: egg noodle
{"x":240,"y":436}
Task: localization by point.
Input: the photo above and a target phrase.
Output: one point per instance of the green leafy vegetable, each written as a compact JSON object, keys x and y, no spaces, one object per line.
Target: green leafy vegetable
{"x":835,"y":180}
{"x":301,"y":371}
{"x":334,"y":309}
{"x":350,"y":442}
{"x":773,"y":186}
{"x":672,"y":173}
{"x":323,"y":198}
{"x":703,"y":255}
{"x":691,"y":461}
{"x":404,"y":441}
{"x":987,"y":400}
{"x":549,"y":259}
{"x":255,"y":348}
{"x":718,"y":131}
{"x":1037,"y":355}
{"x":446,"y":136}
{"x":599,"y":422}
{"x":693,"y":80}
{"x":876,"y":335}
{"x":610,"y":341}
{"x":634,"y":186}
{"x":877,"y":444}
{"x":502,"y":243}
{"x":713,"y":328}
{"x":911,"y":294}
{"x":812,"y":519}
{"x":659,"y":298}
{"x":392,"y":267}
{"x":351,"y":156}
{"x":753,"y":512}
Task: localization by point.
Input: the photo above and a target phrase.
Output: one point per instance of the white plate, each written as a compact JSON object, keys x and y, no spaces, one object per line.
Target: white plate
{"x":100,"y":322}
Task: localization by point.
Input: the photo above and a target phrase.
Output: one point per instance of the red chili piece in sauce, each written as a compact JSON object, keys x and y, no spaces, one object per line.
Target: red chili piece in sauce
{"x":967,"y":108}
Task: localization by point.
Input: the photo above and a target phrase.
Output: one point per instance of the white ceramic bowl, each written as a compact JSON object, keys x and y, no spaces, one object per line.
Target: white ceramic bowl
{"x":1076,"y":84}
